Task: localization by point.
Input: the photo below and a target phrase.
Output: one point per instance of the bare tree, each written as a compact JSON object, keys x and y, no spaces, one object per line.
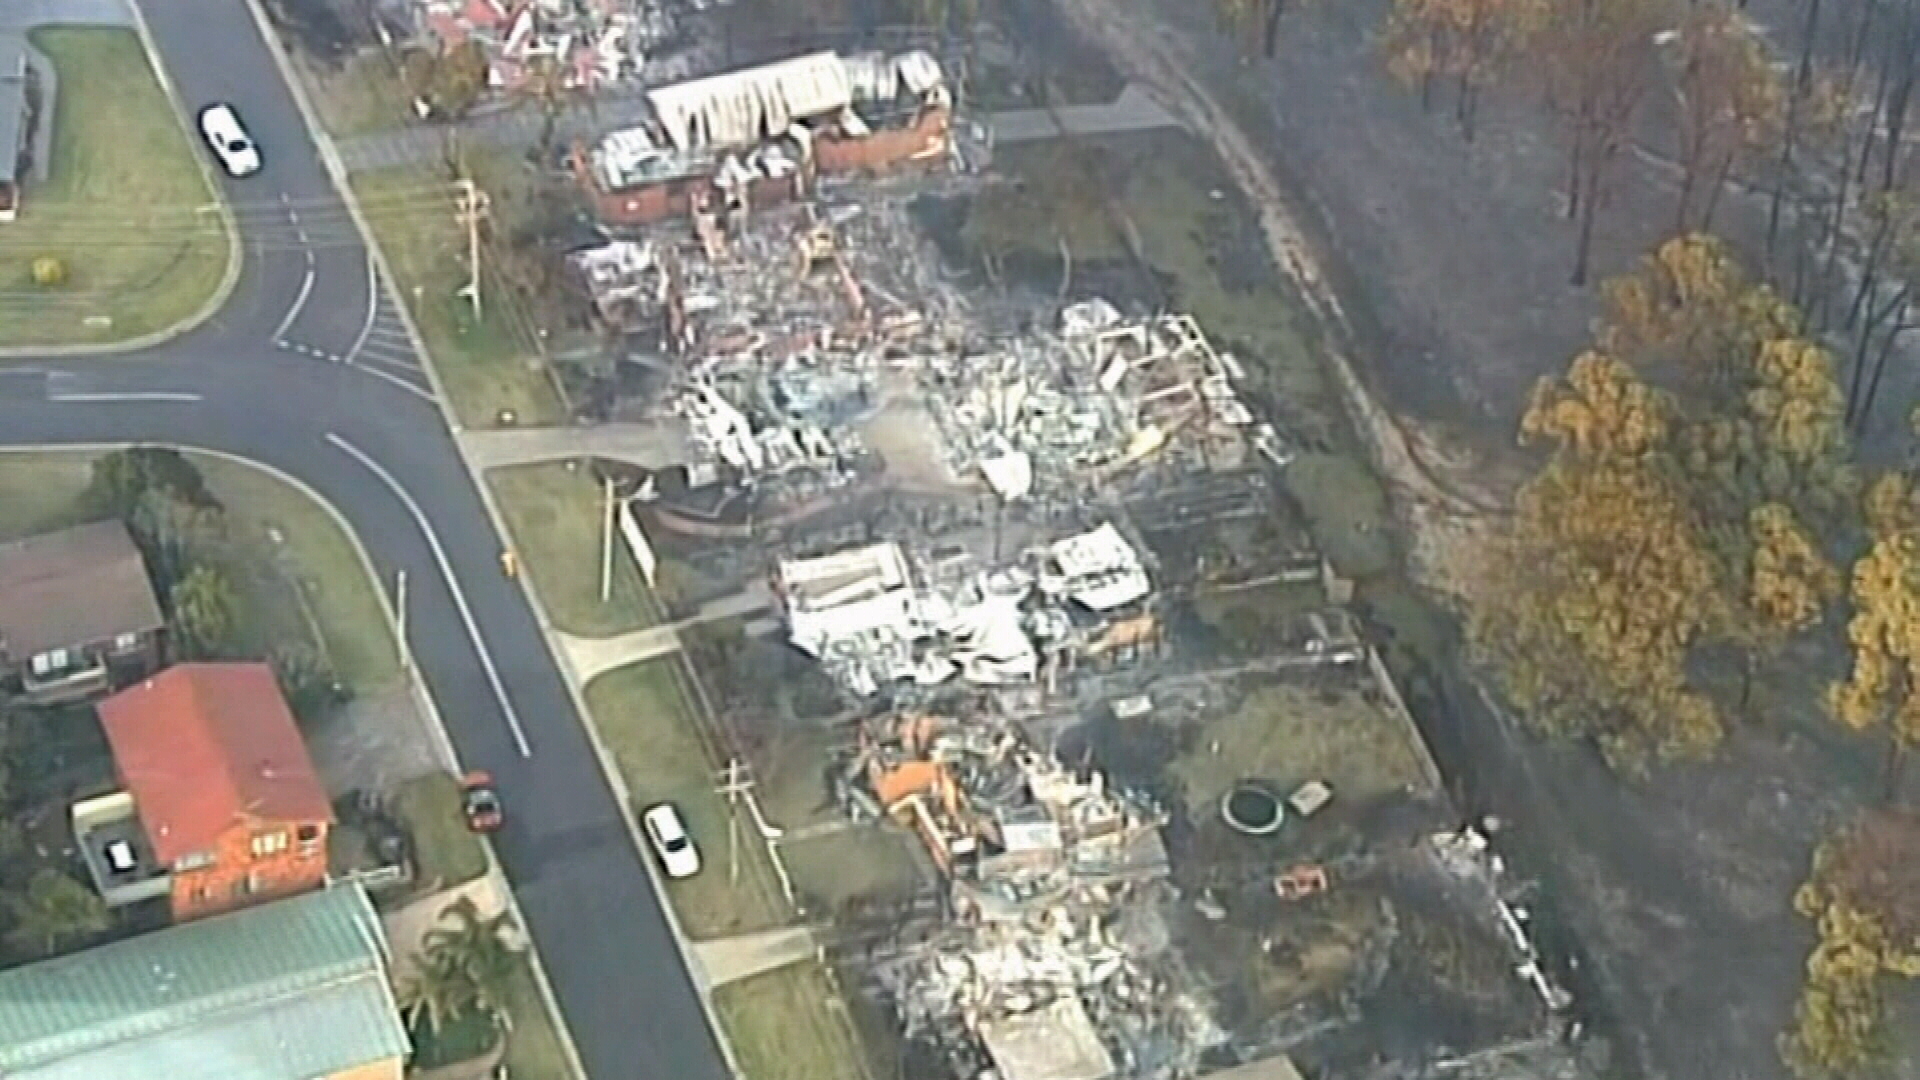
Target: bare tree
{"x":1600,"y":69}
{"x":1731,"y":104}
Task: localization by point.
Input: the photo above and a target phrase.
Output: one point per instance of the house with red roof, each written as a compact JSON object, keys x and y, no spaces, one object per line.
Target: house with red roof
{"x":226,"y":795}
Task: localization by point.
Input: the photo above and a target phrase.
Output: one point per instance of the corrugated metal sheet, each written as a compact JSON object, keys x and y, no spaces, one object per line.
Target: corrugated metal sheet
{"x":273,"y":992}
{"x":739,"y":108}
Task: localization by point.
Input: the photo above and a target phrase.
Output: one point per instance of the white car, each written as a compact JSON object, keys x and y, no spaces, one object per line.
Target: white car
{"x":230,"y":142}
{"x":668,"y":835}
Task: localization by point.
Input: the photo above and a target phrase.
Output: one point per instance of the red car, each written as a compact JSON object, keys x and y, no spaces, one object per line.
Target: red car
{"x":481,"y":803}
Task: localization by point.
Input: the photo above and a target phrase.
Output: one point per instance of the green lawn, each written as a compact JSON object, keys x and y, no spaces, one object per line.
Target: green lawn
{"x":126,"y":207}
{"x":534,"y":1048}
{"x":447,"y":852}
{"x":554,"y":513}
{"x":488,"y":365}
{"x":38,"y":489}
{"x":790,"y":1024}
{"x":645,"y":721}
{"x":325,"y":578}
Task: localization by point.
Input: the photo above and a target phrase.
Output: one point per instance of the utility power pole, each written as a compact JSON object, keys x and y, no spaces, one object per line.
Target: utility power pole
{"x":473,"y":207}
{"x":736,"y":784}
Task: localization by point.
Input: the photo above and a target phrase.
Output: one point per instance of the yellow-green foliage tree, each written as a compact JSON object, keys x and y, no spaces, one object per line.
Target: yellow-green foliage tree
{"x":1864,"y":899}
{"x":1606,"y":580}
{"x":1883,"y":686}
{"x":1789,"y":585}
{"x":1467,"y":41}
{"x":1689,"y":309}
{"x":1764,"y":446}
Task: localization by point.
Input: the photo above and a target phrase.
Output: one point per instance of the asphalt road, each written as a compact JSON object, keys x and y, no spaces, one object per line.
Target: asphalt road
{"x":378,"y":448}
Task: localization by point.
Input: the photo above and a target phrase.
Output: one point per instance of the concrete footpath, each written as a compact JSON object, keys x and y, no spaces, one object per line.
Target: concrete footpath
{"x":595,"y":656}
{"x":652,"y":446}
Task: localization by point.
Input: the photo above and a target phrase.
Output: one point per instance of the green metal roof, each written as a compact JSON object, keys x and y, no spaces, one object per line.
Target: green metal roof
{"x":287,"y":990}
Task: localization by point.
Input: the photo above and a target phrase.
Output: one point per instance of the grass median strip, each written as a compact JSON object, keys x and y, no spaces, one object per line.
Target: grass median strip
{"x":554,"y":512}
{"x":488,"y":365}
{"x":644,"y":719}
{"x":125,"y":211}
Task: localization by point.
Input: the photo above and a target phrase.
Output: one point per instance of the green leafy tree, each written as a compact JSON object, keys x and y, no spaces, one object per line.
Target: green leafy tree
{"x":176,"y":535}
{"x":205,"y":613}
{"x":312,"y":687}
{"x":122,"y":479}
{"x":54,"y":911}
{"x":1605,"y":580}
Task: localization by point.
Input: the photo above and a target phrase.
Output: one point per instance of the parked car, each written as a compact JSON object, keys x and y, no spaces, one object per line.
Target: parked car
{"x":668,"y":835}
{"x":229,"y":140}
{"x":480,"y":801}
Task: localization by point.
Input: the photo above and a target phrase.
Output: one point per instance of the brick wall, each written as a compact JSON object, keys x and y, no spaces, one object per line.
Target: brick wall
{"x":240,"y":875}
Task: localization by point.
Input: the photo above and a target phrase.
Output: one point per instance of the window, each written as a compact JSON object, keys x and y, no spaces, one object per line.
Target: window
{"x":126,"y":642}
{"x":194,"y":861}
{"x":271,"y":843}
{"x":49,"y":662}
{"x":309,"y":837}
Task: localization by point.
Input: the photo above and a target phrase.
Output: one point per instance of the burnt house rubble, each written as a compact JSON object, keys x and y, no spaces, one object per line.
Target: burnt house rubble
{"x":592,"y":45}
{"x":1002,"y":534}
{"x":1055,"y":963}
{"x":875,"y":617}
{"x":724,"y":143}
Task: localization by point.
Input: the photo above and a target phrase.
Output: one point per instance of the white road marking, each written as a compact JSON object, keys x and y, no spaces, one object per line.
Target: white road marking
{"x":373,"y":309}
{"x":100,"y":399}
{"x":453,"y":586}
{"x":299,"y":300}
{"x":395,"y":380}
{"x":394,"y":334}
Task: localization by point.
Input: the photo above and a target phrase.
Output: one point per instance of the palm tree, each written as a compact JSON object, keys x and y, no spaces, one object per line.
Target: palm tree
{"x":55,"y":910}
{"x":435,"y":994}
{"x":466,"y":962}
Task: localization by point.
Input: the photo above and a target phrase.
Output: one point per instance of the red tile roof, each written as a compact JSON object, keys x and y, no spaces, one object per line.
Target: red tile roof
{"x":201,"y":746}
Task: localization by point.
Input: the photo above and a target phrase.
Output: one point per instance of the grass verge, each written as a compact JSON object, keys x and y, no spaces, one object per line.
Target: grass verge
{"x":783,"y":1028}
{"x":446,"y":852}
{"x":645,"y":720}
{"x":489,"y":365}
{"x":554,"y":513}
{"x":311,"y":550}
{"x":125,"y":206}
{"x":38,"y":490}
{"x":534,"y":1047}
{"x":363,"y":96}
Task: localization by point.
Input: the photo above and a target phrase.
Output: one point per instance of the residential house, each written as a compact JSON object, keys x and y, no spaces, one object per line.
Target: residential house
{"x":16,"y":124}
{"x":297,"y":989}
{"x":226,"y":794}
{"x":77,"y":613}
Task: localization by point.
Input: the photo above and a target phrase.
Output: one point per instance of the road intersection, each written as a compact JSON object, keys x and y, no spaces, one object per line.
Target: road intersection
{"x":307,"y":369}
